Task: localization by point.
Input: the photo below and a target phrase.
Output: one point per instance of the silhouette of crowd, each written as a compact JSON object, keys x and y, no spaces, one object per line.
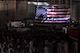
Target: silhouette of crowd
{"x":36,"y":41}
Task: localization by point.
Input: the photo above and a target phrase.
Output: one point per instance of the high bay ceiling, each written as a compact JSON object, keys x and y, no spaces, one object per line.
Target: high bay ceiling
{"x":73,"y":1}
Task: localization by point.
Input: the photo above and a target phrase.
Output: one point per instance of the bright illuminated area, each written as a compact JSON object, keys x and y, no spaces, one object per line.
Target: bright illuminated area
{"x":39,"y":3}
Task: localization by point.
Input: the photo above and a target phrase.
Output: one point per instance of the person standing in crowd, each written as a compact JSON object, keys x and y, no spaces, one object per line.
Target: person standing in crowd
{"x":4,"y":47}
{"x":46,"y":48}
{"x":18,"y":46}
{"x":10,"y":47}
{"x":65,"y":29}
{"x":31,"y":46}
{"x":25,"y":47}
{"x":0,"y":47}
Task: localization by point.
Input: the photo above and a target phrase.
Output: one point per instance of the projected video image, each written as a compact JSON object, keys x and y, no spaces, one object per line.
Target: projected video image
{"x":53,"y":14}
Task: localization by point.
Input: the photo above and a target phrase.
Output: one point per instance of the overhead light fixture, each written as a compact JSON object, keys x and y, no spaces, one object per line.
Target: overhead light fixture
{"x":38,"y":3}
{"x":45,"y":3}
{"x":29,"y":2}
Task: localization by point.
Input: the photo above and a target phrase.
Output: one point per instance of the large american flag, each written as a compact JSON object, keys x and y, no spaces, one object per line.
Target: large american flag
{"x":58,"y":14}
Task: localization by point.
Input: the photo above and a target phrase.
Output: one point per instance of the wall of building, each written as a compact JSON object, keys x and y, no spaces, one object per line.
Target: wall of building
{"x":73,"y":12}
{"x":78,"y":12}
{"x":21,"y":10}
{"x":7,"y":11}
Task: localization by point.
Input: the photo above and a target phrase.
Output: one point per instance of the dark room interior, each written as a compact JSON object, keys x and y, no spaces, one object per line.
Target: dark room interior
{"x":39,"y":26}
